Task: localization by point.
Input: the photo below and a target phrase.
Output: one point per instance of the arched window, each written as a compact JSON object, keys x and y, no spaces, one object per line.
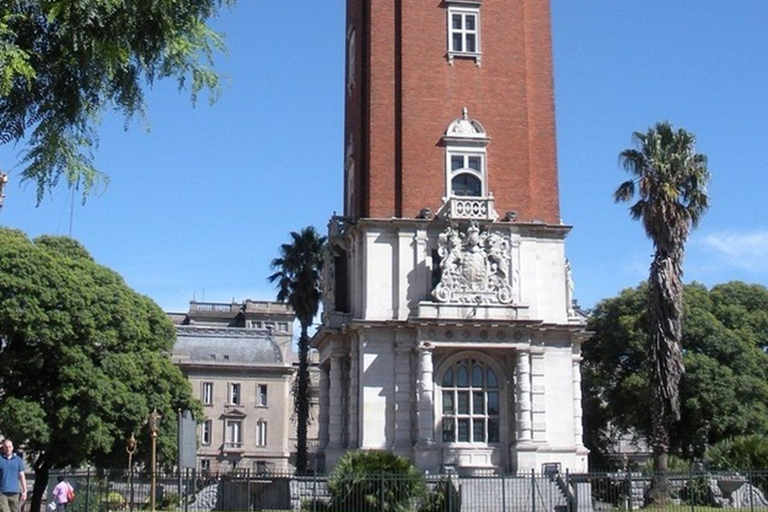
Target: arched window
{"x":465,"y":143}
{"x":466,"y":185}
{"x":470,"y":403}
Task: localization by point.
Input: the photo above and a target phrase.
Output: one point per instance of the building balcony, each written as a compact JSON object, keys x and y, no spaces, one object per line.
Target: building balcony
{"x":475,"y":208}
{"x":230,"y":447}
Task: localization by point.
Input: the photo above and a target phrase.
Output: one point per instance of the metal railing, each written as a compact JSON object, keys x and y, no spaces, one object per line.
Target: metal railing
{"x":200,"y":491}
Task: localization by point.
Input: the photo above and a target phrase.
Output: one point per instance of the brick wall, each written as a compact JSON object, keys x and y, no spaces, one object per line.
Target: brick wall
{"x":406,"y":93}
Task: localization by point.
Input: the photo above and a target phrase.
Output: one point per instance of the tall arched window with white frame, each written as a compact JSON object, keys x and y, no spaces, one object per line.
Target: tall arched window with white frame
{"x":470,"y":401}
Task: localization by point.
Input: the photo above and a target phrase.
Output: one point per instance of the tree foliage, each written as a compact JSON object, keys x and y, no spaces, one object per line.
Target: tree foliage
{"x":63,"y":62}
{"x":740,"y":453}
{"x":298,"y":271}
{"x":83,"y":359}
{"x":724,"y":391}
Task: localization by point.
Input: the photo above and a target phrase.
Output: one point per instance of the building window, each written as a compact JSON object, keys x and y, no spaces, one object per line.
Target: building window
{"x":464,"y":32}
{"x":205,"y":439}
{"x":205,"y":464}
{"x":234,"y":433}
{"x":256,"y":325}
{"x":467,"y":192}
{"x":282,"y":326}
{"x":261,"y":433}
{"x":234,"y":393}
{"x":261,"y":395}
{"x":470,"y":403}
{"x":207,"y":393}
{"x":466,"y":174}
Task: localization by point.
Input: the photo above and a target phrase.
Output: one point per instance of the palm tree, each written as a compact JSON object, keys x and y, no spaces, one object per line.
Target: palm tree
{"x":297,"y":273}
{"x":670,"y":180}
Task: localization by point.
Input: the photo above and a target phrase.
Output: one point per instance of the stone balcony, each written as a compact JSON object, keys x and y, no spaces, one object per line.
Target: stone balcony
{"x":475,"y":208}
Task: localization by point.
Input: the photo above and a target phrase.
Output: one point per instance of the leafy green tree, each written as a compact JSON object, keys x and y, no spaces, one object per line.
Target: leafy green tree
{"x":63,"y":62}
{"x":669,"y":178}
{"x":724,"y":391}
{"x":740,"y":453}
{"x":83,"y":359}
{"x":298,"y":270}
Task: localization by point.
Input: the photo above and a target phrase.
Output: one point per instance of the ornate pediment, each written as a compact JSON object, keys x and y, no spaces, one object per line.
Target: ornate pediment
{"x":476,"y":267}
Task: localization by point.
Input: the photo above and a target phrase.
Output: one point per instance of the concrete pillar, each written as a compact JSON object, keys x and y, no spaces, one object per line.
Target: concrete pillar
{"x":523,"y":396}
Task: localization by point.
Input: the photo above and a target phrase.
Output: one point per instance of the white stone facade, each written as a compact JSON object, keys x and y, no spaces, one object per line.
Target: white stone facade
{"x":483,"y":377}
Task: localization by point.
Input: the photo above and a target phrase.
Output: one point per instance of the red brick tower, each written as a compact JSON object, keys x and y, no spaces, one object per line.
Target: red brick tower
{"x":450,"y":260}
{"x":412,"y":67}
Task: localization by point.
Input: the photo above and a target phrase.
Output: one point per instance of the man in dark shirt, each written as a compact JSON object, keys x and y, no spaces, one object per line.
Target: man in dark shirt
{"x":13,"y":485}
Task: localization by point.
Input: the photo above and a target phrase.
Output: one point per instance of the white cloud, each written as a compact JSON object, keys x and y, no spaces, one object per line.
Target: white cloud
{"x":748,"y":251}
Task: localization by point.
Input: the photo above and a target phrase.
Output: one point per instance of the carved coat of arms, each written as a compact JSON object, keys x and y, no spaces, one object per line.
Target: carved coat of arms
{"x":475,"y":267}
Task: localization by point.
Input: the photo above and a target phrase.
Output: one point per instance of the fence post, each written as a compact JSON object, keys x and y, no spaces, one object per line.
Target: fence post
{"x":568,"y":494}
{"x":314,"y":492}
{"x":533,"y":490}
{"x":503,"y":493}
{"x":630,"y":490}
{"x":751,"y":500}
{"x":87,"y":487}
{"x":381,"y":493}
{"x":692,"y":487}
{"x":189,"y":486}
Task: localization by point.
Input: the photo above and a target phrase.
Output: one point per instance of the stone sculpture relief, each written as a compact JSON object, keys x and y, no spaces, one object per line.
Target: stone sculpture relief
{"x":475,"y":267}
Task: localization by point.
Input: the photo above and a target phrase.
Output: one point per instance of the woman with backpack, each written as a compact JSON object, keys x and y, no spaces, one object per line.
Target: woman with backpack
{"x":63,"y":494}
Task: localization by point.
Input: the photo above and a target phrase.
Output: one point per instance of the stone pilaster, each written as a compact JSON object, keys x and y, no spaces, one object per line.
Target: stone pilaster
{"x":538,"y":401}
{"x":426,"y":396}
{"x":353,"y":425}
{"x":335,"y":404}
{"x":403,"y":393}
{"x":523,"y":397}
{"x":578,"y":427}
{"x":322,"y":427}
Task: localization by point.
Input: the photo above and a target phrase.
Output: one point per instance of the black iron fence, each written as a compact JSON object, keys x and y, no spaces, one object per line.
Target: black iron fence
{"x":194,"y":491}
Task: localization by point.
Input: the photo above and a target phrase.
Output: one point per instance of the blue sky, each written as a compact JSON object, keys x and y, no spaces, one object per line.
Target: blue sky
{"x":198,"y":205}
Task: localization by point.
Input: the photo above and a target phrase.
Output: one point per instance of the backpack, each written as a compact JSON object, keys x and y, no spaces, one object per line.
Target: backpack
{"x":70,"y":494}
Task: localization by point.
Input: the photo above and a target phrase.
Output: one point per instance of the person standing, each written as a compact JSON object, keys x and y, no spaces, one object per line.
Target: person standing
{"x":13,"y":484}
{"x":61,"y":494}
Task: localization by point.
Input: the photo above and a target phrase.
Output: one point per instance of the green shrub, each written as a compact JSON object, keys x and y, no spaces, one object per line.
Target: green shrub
{"x":739,"y":453}
{"x":375,"y":481}
{"x":444,"y":497}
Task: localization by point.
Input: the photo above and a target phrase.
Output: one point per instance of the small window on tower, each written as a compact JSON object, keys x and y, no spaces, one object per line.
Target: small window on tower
{"x":466,"y":174}
{"x":464,"y":32}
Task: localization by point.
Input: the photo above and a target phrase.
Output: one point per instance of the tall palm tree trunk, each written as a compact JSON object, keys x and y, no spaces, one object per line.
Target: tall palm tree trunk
{"x":302,"y":407}
{"x":665,"y":300}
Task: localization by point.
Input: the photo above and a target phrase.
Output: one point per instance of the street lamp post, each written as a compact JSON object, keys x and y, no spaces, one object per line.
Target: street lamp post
{"x":154,"y":422}
{"x":130,"y":447}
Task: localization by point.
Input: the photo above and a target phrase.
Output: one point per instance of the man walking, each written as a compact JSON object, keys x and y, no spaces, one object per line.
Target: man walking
{"x":13,"y":485}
